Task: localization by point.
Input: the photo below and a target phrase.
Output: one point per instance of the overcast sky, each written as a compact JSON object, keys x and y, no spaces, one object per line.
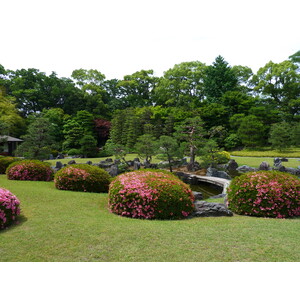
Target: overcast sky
{"x":120,"y":37}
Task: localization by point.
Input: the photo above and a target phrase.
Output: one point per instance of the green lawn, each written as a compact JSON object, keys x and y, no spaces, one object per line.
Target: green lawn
{"x":256,"y":161}
{"x":268,"y":152}
{"x":73,"y":226}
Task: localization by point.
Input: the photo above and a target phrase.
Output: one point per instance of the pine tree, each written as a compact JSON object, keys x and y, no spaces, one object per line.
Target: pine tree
{"x":38,"y":141}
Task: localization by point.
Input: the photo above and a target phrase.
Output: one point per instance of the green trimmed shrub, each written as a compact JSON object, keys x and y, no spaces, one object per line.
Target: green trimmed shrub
{"x":148,"y":194}
{"x":74,"y":152}
{"x":265,"y":194}
{"x":223,"y":157}
{"x":83,"y":178}
{"x":32,"y":170}
{"x":5,"y":162}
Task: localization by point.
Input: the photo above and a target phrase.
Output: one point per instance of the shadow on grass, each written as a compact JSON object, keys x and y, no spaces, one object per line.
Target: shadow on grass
{"x":20,"y":221}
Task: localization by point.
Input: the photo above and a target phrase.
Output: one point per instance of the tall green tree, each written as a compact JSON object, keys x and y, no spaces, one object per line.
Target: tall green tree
{"x":73,"y":133}
{"x":295,"y":58}
{"x":146,"y":147}
{"x":279,"y":83}
{"x":11,"y":121}
{"x":56,"y":117}
{"x":91,"y":82}
{"x":219,"y":78}
{"x":88,"y":146}
{"x":251,"y":131}
{"x":182,"y":85}
{"x":136,"y":90}
{"x":169,"y":148}
{"x":281,"y":136}
{"x":192,"y":132}
{"x":38,"y":141}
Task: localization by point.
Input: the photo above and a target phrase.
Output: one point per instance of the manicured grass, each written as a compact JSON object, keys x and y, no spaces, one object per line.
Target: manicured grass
{"x":268,"y":152}
{"x":74,"y":226}
{"x":256,"y":161}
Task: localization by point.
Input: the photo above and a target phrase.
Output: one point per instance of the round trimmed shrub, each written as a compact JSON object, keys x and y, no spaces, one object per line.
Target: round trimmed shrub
{"x":83,"y":178}
{"x":9,"y":208}
{"x":265,"y":194}
{"x":223,"y":157}
{"x":149,"y":194}
{"x":5,"y":162}
{"x":32,"y":170}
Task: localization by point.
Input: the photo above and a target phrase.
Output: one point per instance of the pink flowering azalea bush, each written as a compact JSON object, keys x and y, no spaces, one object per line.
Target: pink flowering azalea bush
{"x":9,"y":208}
{"x":32,"y":170}
{"x":5,"y":162}
{"x":149,"y":194}
{"x":265,"y":194}
{"x":83,"y":178}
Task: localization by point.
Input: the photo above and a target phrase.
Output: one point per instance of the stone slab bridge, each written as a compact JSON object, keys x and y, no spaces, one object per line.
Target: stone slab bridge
{"x":224,"y":183}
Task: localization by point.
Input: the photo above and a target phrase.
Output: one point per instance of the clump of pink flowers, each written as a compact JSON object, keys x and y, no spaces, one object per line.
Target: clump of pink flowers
{"x":265,"y":194}
{"x":9,"y":208}
{"x":32,"y":170}
{"x":149,"y":194}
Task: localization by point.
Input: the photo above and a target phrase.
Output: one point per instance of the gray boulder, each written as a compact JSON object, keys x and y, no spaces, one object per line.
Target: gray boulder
{"x":72,"y":162}
{"x":277,"y":162}
{"x":293,"y":171}
{"x":210,"y":209}
{"x":136,"y":165}
{"x":281,"y":168}
{"x":198,"y":196}
{"x":245,"y":168}
{"x":232,"y":165}
{"x":264,"y":166}
{"x":113,"y":170}
{"x":212,"y":172}
{"x":58,"y":165}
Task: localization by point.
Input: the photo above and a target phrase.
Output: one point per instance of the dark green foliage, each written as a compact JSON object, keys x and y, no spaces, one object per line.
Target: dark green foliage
{"x":88,"y":146}
{"x":73,"y":132}
{"x":38,"y":141}
{"x":83,"y":178}
{"x":219,"y":79}
{"x":211,"y":154}
{"x":5,"y":162}
{"x":232,"y":142}
{"x":281,"y":136}
{"x":296,"y":134}
{"x":251,"y":131}
{"x":168,"y":147}
{"x":146,"y":147}
{"x":221,"y":95}
{"x":74,"y":152}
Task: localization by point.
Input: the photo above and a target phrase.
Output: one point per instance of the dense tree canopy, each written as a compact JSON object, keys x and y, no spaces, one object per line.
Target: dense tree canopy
{"x":245,"y":105}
